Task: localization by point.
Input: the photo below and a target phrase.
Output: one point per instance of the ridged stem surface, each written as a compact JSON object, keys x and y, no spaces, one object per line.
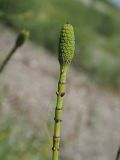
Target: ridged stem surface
{"x":58,"y":111}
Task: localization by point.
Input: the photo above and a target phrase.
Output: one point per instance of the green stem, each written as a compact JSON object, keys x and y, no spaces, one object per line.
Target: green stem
{"x":118,"y":154}
{"x":7,"y":59}
{"x":58,"y":110}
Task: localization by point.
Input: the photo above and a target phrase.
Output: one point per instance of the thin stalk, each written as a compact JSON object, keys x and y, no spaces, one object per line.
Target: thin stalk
{"x":118,"y":154}
{"x":21,"y":38}
{"x":58,"y":111}
{"x":65,"y":55}
{"x":7,"y":59}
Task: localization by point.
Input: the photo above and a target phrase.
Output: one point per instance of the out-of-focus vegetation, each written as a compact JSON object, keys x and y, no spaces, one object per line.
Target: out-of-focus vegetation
{"x":20,"y":138}
{"x":97,"y":27}
{"x":19,"y":145}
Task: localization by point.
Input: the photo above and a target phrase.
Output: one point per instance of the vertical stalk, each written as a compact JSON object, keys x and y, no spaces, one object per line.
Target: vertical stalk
{"x":65,"y":55}
{"x":58,"y":111}
{"x":21,"y":38}
{"x":7,"y":59}
{"x":118,"y":154}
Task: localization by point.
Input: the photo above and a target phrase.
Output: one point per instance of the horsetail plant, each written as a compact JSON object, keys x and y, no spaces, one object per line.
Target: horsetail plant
{"x":22,"y":37}
{"x":65,"y":55}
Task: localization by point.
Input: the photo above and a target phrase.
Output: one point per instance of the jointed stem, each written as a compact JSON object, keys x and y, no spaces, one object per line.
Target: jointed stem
{"x":7,"y":59}
{"x":58,"y":111}
{"x":65,"y":55}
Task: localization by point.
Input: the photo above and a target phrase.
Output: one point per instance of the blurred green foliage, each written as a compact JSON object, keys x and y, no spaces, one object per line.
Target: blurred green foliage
{"x":97,"y":28}
{"x":15,"y":143}
{"x":20,"y":137}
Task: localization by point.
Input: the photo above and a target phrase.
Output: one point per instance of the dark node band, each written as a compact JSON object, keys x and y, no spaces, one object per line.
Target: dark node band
{"x":62,"y":71}
{"x":57,"y":93}
{"x":57,"y":120}
{"x":56,"y":138}
{"x":67,"y":61}
{"x":62,"y":82}
{"x":55,"y":149}
{"x":58,"y":109}
{"x":62,"y":94}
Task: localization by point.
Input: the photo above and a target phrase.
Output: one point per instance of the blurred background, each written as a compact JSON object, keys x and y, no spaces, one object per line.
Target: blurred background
{"x":29,"y":82}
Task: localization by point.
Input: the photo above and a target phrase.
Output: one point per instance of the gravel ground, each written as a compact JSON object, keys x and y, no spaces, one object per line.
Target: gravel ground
{"x":91,"y":118}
